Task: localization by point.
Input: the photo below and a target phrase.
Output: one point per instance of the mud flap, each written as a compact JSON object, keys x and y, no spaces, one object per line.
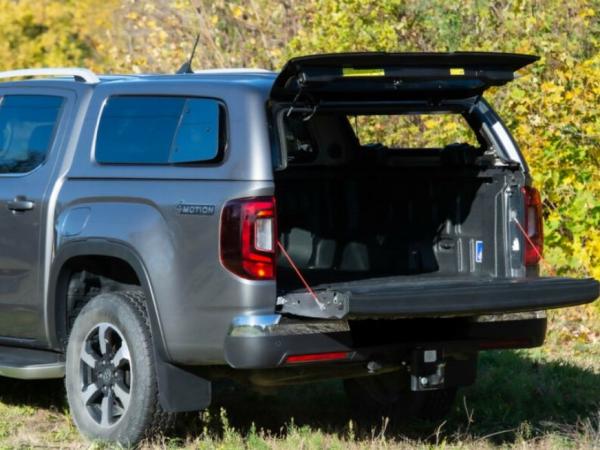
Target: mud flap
{"x":180,"y":390}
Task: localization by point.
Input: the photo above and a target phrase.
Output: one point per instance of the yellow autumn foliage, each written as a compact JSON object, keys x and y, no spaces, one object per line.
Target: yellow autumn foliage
{"x":46,"y":33}
{"x":553,"y":111}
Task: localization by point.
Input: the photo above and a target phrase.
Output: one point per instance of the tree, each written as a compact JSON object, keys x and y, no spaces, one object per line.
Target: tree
{"x":52,"y":33}
{"x":553,"y":111}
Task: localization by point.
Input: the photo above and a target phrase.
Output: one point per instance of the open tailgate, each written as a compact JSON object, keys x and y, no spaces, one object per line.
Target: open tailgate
{"x":394,"y":76}
{"x":401,"y":298}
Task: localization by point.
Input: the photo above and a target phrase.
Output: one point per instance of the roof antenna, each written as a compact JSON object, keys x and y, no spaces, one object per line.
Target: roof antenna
{"x":187,"y":66}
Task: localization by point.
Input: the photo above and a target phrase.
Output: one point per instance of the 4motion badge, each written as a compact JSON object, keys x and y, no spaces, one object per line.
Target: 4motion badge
{"x":188,"y":209}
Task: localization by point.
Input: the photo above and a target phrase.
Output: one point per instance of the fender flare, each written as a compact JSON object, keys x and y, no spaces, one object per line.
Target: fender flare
{"x":97,"y":247}
{"x":179,"y":389}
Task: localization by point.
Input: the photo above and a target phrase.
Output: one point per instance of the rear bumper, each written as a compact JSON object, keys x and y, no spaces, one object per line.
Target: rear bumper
{"x":261,"y":342}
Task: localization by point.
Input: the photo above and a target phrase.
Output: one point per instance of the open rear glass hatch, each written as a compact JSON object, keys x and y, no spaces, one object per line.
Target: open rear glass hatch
{"x":389,"y":76}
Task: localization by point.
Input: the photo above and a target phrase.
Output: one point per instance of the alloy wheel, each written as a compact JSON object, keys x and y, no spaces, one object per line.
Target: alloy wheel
{"x":106,"y":375}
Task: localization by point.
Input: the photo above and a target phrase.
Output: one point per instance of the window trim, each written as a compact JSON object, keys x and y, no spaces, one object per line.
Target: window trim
{"x":55,"y":132}
{"x":223,"y":130}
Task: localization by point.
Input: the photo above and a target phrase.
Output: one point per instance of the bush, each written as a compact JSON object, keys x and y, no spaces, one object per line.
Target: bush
{"x":553,"y":111}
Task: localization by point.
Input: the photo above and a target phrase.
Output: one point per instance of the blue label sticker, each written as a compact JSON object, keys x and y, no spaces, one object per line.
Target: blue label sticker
{"x":478,"y":251}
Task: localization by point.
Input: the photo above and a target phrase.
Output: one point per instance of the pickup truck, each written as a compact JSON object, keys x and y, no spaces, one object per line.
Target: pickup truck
{"x":159,"y":232}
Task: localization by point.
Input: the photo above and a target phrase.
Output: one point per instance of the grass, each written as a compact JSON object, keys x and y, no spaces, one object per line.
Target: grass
{"x":546,"y":398}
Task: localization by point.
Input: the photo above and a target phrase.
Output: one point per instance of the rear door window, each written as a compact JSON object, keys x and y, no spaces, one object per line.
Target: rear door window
{"x":160,"y":130}
{"x":27,"y":127}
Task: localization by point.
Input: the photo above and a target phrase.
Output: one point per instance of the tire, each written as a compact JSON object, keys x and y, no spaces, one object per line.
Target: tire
{"x":388,"y":396}
{"x":110,"y":371}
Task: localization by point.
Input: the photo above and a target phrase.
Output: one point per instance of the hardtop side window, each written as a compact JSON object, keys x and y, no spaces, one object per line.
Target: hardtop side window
{"x":27,"y":128}
{"x":160,"y":130}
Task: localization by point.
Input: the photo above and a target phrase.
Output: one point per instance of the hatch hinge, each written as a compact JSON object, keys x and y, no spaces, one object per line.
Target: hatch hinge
{"x":332,"y":304}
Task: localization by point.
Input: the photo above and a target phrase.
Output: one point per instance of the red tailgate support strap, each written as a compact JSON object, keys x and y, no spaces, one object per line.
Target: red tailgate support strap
{"x":302,"y":279}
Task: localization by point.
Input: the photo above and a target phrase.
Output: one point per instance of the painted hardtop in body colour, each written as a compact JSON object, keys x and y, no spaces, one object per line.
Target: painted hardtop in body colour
{"x":243,"y":95}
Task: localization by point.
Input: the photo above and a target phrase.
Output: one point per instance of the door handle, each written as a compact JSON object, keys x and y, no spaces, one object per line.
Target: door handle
{"x":20,"y":203}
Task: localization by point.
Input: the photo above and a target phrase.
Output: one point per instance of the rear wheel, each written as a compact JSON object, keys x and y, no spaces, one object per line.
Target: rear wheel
{"x":387,"y":395}
{"x":110,"y":370}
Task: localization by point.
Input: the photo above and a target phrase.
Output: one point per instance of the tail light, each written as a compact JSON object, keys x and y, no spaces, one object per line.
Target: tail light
{"x":248,"y":232}
{"x":534,"y":246}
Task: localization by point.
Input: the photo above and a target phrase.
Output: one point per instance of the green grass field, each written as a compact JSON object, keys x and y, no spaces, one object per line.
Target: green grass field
{"x":541,"y":398}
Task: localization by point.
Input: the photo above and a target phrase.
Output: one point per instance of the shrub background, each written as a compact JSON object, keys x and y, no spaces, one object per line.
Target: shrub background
{"x":553,"y":111}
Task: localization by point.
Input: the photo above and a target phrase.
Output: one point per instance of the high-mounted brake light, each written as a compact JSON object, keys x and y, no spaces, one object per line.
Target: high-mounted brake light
{"x":534,"y":246}
{"x":248,"y":231}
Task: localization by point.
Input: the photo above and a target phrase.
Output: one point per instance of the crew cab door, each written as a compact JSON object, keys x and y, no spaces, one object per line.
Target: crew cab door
{"x":30,"y":131}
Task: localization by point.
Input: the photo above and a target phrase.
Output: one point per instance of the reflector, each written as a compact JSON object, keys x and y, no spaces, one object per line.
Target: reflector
{"x":314,"y":357}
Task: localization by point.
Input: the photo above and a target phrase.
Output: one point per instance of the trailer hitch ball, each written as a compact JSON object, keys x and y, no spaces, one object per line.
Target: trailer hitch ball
{"x":373,"y":367}
{"x":427,"y":370}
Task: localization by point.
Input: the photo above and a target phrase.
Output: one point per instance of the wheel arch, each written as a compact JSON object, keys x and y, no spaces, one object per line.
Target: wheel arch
{"x":179,"y":389}
{"x":56,"y":307}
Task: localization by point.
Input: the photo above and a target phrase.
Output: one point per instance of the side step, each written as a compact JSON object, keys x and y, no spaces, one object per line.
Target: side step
{"x":29,"y":364}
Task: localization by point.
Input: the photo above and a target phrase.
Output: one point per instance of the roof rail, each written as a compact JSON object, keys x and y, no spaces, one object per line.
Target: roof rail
{"x":240,"y":70}
{"x":79,"y":74}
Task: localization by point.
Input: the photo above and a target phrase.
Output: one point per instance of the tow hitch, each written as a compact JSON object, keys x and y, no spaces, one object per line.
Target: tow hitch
{"x":427,"y":370}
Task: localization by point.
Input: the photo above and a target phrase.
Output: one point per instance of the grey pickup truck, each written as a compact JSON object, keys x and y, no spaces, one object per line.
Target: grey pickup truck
{"x":159,"y":232}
